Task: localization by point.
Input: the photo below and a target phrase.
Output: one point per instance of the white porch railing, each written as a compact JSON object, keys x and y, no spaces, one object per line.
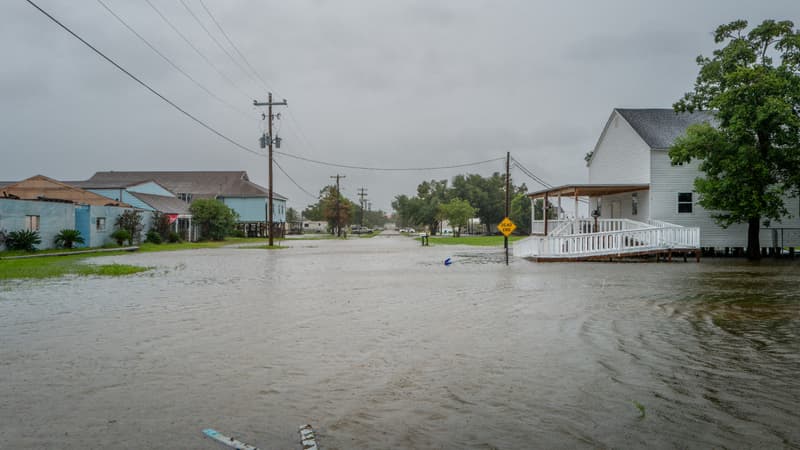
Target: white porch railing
{"x":623,"y":236}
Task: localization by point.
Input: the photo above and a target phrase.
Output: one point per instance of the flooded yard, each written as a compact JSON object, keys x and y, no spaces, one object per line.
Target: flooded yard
{"x":378,"y":344}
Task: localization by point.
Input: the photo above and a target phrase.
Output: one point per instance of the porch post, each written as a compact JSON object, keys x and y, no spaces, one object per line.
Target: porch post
{"x":559,"y":206}
{"x":575,"y":194}
{"x":544,"y":213}
{"x":533,"y":212}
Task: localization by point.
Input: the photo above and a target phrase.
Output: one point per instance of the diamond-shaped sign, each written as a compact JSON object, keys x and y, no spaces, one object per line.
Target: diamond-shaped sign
{"x":506,"y":227}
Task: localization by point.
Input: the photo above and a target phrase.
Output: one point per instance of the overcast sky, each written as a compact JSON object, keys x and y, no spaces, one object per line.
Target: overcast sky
{"x":377,"y":83}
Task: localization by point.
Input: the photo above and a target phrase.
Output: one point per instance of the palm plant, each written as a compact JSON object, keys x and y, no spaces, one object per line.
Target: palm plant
{"x":67,"y":238}
{"x":23,"y":240}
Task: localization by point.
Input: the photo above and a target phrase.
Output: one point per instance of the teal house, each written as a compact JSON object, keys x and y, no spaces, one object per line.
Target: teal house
{"x":234,"y":188}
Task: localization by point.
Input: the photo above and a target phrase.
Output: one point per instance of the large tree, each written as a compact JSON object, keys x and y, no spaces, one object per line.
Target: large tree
{"x":215,"y":218}
{"x":750,"y":157}
{"x":457,"y":212}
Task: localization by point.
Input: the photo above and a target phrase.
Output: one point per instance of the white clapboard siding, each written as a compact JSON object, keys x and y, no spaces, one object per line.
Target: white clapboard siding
{"x":668,"y":180}
{"x":620,"y":156}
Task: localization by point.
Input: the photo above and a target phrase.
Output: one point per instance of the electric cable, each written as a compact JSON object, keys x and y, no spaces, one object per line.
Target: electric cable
{"x":385,"y":169}
{"x":316,"y":197}
{"x":170,"y":61}
{"x":197,"y":50}
{"x":224,"y":50}
{"x":235,"y":47}
{"x":142,"y":83}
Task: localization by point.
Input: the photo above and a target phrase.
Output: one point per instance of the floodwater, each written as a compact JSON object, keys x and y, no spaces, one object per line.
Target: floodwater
{"x":377,"y":344}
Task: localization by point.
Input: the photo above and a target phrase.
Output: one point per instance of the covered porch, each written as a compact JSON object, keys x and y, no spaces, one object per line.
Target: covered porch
{"x":590,"y":222}
{"x":551,"y":208}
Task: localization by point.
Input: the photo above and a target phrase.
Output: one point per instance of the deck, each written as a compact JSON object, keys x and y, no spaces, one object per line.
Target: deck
{"x":587,"y":240}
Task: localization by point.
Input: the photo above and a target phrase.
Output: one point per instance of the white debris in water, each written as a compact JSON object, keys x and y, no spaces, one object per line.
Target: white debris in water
{"x":307,"y":438}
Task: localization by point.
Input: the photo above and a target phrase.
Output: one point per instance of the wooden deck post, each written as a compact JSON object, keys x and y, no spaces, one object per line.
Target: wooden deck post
{"x":544,"y":213}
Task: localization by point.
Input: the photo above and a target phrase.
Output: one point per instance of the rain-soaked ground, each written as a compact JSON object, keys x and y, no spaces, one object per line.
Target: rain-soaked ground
{"x":378,"y":344}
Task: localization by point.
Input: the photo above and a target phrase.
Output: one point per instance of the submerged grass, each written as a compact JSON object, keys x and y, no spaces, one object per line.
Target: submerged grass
{"x":56,"y":266}
{"x":471,"y":240}
{"x":263,"y":247}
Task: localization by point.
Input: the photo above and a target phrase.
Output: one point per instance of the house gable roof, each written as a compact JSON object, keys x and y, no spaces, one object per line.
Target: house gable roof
{"x":163,"y":204}
{"x":659,"y":127}
{"x":40,"y":187}
{"x":201,"y":184}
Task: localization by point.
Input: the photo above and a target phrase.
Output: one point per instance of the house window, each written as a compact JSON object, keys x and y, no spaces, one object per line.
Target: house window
{"x":685,"y":202}
{"x":100,"y":223}
{"x":635,"y":203}
{"x":32,"y":223}
{"x":185,"y":197}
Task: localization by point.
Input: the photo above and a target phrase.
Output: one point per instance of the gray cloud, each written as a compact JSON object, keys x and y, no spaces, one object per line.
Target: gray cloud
{"x":377,"y":83}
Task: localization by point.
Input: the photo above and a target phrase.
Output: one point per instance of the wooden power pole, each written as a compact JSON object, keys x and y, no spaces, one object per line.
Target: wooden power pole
{"x":338,"y":218}
{"x":269,"y":141}
{"x":508,"y":192}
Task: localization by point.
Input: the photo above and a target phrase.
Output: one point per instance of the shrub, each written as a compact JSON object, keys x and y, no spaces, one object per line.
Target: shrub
{"x":215,"y":218}
{"x":161,"y":225}
{"x":237,"y":233}
{"x":153,"y":236}
{"x":130,"y":221}
{"x":23,"y":240}
{"x":67,"y":238}
{"x":121,"y":236}
{"x":173,"y":237}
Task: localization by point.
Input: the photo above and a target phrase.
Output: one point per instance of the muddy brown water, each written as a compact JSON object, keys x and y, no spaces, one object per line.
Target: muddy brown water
{"x":378,"y":344}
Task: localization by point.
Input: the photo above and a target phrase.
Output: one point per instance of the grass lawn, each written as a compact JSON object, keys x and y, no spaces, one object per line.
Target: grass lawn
{"x":471,"y":240}
{"x":56,"y":266}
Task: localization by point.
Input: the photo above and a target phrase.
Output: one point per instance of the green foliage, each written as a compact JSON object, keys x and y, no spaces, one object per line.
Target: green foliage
{"x":173,"y":237}
{"x":25,"y":240}
{"x":216,"y":219}
{"x":67,"y":238}
{"x":121,"y":236}
{"x":485,"y":194}
{"x":56,"y":266}
{"x":153,"y":237}
{"x":751,"y":159}
{"x":130,"y":221}
{"x":292,"y":215}
{"x":160,"y":224}
{"x":457,"y":212}
{"x":521,"y":213}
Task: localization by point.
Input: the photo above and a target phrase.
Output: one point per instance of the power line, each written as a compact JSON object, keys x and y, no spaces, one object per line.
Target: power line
{"x":316,"y":197}
{"x":385,"y":169}
{"x":168,"y":60}
{"x":224,"y":50}
{"x":142,"y":83}
{"x":227,"y":38}
{"x":201,"y":54}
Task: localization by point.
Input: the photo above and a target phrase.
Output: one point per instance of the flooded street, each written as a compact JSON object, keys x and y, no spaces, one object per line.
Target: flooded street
{"x":378,"y":344}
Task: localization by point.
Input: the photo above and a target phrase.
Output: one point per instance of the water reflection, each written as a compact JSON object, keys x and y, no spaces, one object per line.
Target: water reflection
{"x":380,"y":345}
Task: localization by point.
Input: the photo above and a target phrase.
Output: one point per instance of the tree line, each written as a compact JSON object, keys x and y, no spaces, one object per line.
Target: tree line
{"x":465,"y":197}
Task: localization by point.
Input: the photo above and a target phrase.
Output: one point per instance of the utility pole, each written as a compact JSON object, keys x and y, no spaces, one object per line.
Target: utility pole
{"x":362,"y":192}
{"x":338,"y":221}
{"x":268,"y":139}
{"x":508,"y":196}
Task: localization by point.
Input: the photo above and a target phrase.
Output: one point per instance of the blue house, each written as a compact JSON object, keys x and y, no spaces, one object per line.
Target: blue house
{"x":233,"y":188}
{"x":48,"y":206}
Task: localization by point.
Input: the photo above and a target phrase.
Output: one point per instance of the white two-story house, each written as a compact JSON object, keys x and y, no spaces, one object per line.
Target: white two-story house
{"x":633,"y":187}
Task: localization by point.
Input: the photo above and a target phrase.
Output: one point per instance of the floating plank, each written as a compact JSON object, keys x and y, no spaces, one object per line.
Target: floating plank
{"x":227,"y":441}
{"x":307,"y":438}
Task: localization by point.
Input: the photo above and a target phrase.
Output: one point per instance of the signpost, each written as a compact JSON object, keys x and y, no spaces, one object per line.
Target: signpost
{"x":506,"y":227}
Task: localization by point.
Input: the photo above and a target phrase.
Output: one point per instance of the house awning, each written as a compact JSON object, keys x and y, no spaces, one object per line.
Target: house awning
{"x":588,"y":190}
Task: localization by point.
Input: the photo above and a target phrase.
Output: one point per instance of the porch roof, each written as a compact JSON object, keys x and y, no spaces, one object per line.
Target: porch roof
{"x":588,"y":190}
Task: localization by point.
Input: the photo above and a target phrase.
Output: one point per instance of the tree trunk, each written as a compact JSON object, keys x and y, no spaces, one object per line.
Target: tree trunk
{"x":753,"y":244}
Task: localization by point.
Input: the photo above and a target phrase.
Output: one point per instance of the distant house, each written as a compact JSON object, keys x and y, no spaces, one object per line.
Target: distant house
{"x":48,"y":206}
{"x":147,"y":195}
{"x":233,"y":188}
{"x":638,"y":199}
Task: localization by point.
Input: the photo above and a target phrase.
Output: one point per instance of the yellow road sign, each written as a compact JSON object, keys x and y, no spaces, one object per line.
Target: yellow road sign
{"x":506,"y":227}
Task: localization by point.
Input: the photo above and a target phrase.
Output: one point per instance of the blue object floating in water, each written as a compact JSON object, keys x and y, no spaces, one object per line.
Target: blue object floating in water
{"x":447,"y":262}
